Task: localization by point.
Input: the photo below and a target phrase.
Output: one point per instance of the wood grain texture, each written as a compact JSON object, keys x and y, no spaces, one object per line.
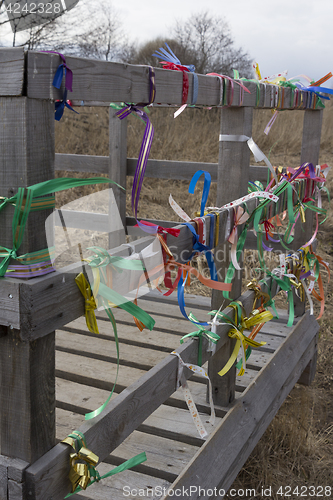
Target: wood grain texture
{"x":117,"y":172}
{"x":27,"y":396}
{"x":243,"y":426}
{"x":27,"y":401}
{"x":11,"y":71}
{"x":99,"y":83}
{"x":161,"y":169}
{"x":16,"y":491}
{"x":26,"y":158}
{"x":233,"y":177}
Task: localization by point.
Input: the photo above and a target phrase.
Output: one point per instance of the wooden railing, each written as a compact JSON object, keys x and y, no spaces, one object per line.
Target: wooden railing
{"x":32,"y":309}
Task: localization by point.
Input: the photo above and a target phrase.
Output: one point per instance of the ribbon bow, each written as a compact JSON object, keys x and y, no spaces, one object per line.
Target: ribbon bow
{"x":211,"y":336}
{"x":83,"y":462}
{"x":238,"y":325}
{"x":160,"y":229}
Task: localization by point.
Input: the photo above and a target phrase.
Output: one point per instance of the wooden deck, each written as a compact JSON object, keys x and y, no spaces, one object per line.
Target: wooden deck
{"x":86,"y":369}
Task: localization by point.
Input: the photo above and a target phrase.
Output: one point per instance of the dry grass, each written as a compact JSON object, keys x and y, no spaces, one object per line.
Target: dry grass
{"x":297,"y":448}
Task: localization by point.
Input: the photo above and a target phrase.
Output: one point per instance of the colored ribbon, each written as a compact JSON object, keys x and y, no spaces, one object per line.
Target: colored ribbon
{"x":142,"y":158}
{"x":240,"y":217}
{"x":181,"y":381}
{"x":170,"y":61}
{"x":202,"y":332}
{"x":239,"y":324}
{"x":89,"y":302}
{"x":83,"y":464}
{"x":23,"y":202}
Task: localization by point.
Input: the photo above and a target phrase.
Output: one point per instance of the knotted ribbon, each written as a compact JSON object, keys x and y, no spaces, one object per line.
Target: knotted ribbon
{"x":181,"y":381}
{"x":83,"y":464}
{"x":239,"y":324}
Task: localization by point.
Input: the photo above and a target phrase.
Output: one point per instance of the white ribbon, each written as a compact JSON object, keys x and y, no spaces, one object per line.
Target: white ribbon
{"x":256,"y":194}
{"x":178,"y":210}
{"x":259,"y":156}
{"x":181,"y":381}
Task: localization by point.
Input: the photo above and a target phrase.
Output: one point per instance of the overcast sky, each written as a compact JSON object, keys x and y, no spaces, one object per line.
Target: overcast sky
{"x":282,"y":35}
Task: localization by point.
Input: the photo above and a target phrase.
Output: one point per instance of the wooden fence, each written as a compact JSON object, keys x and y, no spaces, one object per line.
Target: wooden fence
{"x":32,"y":466}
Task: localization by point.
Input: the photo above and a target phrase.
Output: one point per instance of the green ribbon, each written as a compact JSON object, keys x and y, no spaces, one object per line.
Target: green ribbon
{"x":128,"y":464}
{"x":200,"y":333}
{"x":23,"y":201}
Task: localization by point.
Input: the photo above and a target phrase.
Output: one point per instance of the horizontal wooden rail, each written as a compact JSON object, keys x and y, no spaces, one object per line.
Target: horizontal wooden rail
{"x":99,"y":83}
{"x":161,"y":169}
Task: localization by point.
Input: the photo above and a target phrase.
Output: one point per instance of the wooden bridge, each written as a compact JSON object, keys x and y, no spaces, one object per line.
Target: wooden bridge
{"x":53,"y":370}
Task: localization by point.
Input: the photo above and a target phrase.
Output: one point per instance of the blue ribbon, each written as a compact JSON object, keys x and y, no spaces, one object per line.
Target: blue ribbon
{"x":172,"y":58}
{"x":200,"y":247}
{"x":60,"y":107}
{"x":181,"y":299}
{"x":206,"y":188}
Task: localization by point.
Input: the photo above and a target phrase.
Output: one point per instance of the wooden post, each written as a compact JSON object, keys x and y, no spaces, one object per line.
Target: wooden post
{"x":309,"y":153}
{"x":232,"y":182}
{"x":27,"y":369}
{"x":117,"y":172}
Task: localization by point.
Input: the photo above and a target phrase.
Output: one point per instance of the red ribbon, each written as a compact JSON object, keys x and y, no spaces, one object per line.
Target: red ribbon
{"x":268,"y":228}
{"x":179,"y":67}
{"x":160,"y":229}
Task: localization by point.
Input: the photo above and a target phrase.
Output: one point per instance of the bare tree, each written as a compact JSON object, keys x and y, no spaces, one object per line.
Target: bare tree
{"x":93,"y":29}
{"x":105,"y":38}
{"x":207,"y":41}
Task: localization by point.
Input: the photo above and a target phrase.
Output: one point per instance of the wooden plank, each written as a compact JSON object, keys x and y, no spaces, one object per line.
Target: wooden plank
{"x":125,"y":413}
{"x":10,"y":304}
{"x":15,"y":490}
{"x":82,"y":163}
{"x":117,"y":172}
{"x":100,"y":82}
{"x":128,"y":484}
{"x":161,"y":169}
{"x":113,"y":82}
{"x":309,"y":373}
{"x":241,"y":429}
{"x":234,"y":160}
{"x":27,"y":396}
{"x":3,"y":481}
{"x":312,"y":125}
{"x":11,"y":71}
{"x":26,"y":369}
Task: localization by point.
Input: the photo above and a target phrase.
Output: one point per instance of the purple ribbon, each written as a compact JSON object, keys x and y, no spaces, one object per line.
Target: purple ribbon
{"x":144,"y":150}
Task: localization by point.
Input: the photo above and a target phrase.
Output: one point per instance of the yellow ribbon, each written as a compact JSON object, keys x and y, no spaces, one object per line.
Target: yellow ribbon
{"x":82,"y":463}
{"x":253,"y":285}
{"x":89,"y":302}
{"x":242,"y":341}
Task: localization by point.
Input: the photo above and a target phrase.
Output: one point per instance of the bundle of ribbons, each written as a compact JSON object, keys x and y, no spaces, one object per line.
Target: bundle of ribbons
{"x":289,"y":193}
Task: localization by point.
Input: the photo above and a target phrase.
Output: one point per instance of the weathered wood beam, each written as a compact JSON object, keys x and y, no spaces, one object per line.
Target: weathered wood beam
{"x":159,"y":169}
{"x":27,"y":369}
{"x":100,"y":83}
{"x":11,"y":71}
